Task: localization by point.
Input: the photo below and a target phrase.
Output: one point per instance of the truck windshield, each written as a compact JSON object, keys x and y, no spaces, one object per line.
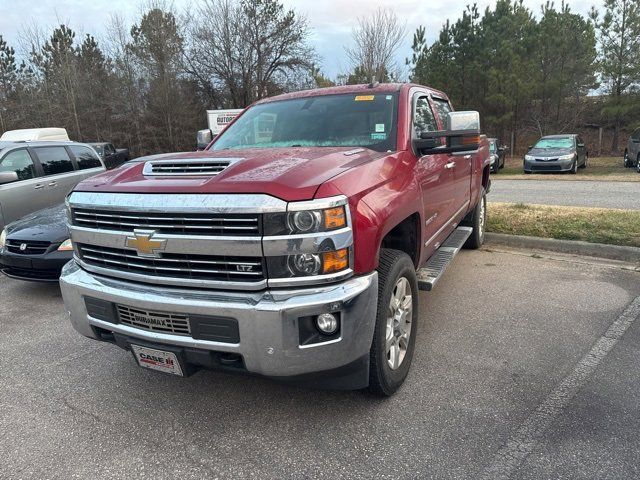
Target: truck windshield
{"x":552,"y":143}
{"x":345,"y":120}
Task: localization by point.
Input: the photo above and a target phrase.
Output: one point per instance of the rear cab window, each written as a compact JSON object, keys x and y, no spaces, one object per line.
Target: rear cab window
{"x":54,"y":160}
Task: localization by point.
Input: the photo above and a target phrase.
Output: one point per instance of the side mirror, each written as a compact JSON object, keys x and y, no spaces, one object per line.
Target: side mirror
{"x":204,"y":138}
{"x":530,"y":147}
{"x":462,"y":135}
{"x":581,"y":145}
{"x":8,"y":177}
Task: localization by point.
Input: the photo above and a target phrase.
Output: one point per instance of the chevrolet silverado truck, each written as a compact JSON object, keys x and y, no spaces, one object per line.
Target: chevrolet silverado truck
{"x":293,"y":247}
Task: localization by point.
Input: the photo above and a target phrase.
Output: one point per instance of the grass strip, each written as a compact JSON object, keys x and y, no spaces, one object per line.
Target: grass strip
{"x":595,"y":225}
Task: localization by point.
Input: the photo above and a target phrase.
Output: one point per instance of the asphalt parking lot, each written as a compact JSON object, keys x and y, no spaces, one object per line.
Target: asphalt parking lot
{"x":526,"y":367}
{"x":598,"y":194}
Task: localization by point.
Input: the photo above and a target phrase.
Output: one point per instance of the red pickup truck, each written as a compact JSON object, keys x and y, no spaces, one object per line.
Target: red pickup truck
{"x":293,"y":247}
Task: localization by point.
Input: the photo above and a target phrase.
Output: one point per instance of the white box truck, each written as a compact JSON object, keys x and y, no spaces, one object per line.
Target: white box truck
{"x":217,"y":121}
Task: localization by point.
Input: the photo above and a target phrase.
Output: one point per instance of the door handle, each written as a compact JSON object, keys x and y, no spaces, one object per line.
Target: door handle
{"x":38,"y":187}
{"x":450,"y":165}
{"x":53,"y":184}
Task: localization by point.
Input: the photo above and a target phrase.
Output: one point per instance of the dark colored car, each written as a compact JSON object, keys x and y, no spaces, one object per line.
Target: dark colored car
{"x":111,"y":156}
{"x":36,"y":247}
{"x":632,"y":152}
{"x":497,"y":155}
{"x":556,"y":153}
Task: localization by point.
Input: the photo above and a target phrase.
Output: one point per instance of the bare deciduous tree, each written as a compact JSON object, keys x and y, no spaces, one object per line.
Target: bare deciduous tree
{"x":245,"y":50}
{"x":377,"y":39}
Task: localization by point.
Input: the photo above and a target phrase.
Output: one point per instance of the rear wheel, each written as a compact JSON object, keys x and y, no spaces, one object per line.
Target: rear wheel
{"x":477,"y":221}
{"x":638,"y":163}
{"x":627,"y":160}
{"x":394,"y":337}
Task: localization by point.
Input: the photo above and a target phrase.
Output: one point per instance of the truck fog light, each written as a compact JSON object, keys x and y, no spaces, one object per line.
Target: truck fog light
{"x":327,"y":323}
{"x":304,"y":264}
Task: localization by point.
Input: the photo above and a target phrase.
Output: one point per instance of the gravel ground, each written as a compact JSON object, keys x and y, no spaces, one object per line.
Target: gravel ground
{"x":624,"y":195}
{"x":512,"y":377}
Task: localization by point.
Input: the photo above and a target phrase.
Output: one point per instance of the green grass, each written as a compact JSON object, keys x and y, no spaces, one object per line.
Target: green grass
{"x":595,"y":225}
{"x":601,"y":168}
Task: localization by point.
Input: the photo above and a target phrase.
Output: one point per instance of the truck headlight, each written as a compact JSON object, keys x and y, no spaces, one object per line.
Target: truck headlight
{"x":305,"y":221}
{"x":3,"y":238}
{"x":566,"y":157}
{"x":308,"y":264}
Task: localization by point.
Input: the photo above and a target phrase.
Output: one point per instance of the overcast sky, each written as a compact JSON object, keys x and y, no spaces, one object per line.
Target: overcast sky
{"x":331,"y":20}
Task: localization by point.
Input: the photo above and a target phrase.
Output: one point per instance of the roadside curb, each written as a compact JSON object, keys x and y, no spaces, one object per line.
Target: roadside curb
{"x":612,"y":252}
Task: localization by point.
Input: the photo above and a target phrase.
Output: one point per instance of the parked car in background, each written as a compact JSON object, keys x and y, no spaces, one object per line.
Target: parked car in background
{"x":36,"y":175}
{"x":36,"y":247}
{"x":632,"y":152}
{"x":35,"y":134}
{"x":556,"y":153}
{"x":497,"y":155}
{"x":111,"y":156}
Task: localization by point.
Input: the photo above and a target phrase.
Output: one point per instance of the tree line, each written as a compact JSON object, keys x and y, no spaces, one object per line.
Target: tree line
{"x":147,"y":85}
{"x":557,"y":73}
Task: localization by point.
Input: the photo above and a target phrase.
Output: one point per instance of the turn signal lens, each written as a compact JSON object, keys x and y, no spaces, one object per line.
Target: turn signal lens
{"x":65,"y":246}
{"x":335,"y":261}
{"x":3,"y":238}
{"x":334,"y":218}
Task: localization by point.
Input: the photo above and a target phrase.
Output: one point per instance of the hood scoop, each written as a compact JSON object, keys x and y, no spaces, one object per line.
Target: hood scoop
{"x":203,"y":167}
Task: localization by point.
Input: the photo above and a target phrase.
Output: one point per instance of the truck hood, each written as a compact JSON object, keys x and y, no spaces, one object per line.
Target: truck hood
{"x":291,"y":174}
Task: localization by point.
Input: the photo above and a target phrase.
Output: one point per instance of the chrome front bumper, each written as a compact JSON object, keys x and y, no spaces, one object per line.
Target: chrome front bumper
{"x":267,"y":320}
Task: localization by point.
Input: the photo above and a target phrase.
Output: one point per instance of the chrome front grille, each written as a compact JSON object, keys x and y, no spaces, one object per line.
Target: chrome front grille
{"x":173,"y":265}
{"x":28,"y":247}
{"x":170,"y":223}
{"x":174,"y":323}
{"x":202,"y":167}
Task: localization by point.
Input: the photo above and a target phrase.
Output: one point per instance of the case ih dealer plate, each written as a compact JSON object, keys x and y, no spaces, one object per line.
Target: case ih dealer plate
{"x":159,"y":360}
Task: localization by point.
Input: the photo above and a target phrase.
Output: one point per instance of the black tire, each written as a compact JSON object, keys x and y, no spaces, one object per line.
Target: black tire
{"x":627,"y":160}
{"x":477,"y":220}
{"x":527,"y":172}
{"x":383,"y":379}
{"x":638,"y":164}
{"x":574,"y":167}
{"x":584,"y":165}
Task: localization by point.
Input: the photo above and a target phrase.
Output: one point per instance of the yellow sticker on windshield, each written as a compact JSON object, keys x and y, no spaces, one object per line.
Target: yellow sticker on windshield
{"x":365,"y":98}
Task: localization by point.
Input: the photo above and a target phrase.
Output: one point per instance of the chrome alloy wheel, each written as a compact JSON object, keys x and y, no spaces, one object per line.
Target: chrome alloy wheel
{"x":483,"y":217}
{"x":399,"y":323}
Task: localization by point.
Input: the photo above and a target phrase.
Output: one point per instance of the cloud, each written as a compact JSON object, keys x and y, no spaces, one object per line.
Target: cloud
{"x":332,"y":21}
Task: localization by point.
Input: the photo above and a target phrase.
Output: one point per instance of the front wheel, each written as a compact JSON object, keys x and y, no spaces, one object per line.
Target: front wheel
{"x":574,"y":167}
{"x":627,"y":161}
{"x":638,"y":164}
{"x":477,"y":221}
{"x":394,"y":337}
{"x":584,"y":165}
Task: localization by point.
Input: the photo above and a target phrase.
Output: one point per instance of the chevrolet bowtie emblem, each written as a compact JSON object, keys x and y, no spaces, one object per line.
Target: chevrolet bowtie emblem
{"x":142,"y":243}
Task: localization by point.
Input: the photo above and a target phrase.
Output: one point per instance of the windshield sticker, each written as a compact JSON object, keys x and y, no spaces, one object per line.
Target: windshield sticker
{"x":379,"y":127}
{"x":365,"y":98}
{"x":378,"y":136}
